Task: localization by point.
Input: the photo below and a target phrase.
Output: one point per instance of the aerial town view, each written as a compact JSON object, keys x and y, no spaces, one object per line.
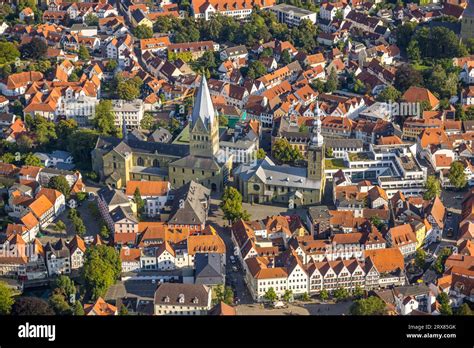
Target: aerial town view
{"x":236,"y":158}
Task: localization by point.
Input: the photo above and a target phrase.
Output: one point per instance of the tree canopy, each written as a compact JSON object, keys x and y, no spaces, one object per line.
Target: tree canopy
{"x":232,"y":205}
{"x":285,"y":153}
{"x":456,"y":175}
{"x":371,"y":305}
{"x":102,"y":267}
{"x":6,"y":298}
{"x":433,"y":188}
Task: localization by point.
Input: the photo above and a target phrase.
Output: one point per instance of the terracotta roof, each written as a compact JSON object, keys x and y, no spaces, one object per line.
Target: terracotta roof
{"x":77,"y":243}
{"x":402,"y":235}
{"x":258,"y":268}
{"x":100,"y":307}
{"x":23,"y":79}
{"x":40,"y":206}
{"x":130,"y":254}
{"x":148,"y":188}
{"x":418,"y":94}
{"x":31,"y":171}
{"x":222,"y":309}
{"x":386,"y":260}
{"x":205,"y":243}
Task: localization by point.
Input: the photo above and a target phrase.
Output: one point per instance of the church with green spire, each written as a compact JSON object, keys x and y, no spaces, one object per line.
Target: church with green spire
{"x":118,"y":161}
{"x":201,"y":165}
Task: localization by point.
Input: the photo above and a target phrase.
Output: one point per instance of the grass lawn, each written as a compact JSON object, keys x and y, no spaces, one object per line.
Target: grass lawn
{"x":335,"y":163}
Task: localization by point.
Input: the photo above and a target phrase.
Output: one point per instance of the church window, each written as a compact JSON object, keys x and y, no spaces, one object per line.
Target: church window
{"x":182,"y":170}
{"x":156,"y":163}
{"x":140,"y":161}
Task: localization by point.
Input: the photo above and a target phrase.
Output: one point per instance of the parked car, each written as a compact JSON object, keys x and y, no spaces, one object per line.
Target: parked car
{"x":232,"y":259}
{"x":450,"y":214}
{"x":235,"y":269}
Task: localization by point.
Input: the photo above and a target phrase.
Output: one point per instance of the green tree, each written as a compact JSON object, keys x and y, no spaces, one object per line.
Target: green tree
{"x":341,"y":294}
{"x":285,"y":153}
{"x":128,"y":90}
{"x":78,"y":308}
{"x":44,"y":130}
{"x":368,"y":306}
{"x":8,"y":53}
{"x":456,"y":175}
{"x":358,"y":292}
{"x":61,"y":184}
{"x":433,"y":188}
{"x":324,"y":295}
{"x":261,"y":154}
{"x":464,"y":310}
{"x":79,"y":226}
{"x":83,"y":53}
{"x":32,"y":160}
{"x":137,"y":198}
{"x":59,"y":304}
{"x":35,"y":49}
{"x":332,"y":82}
{"x":256,"y":69}
{"x":223,"y":121}
{"x":6,"y":298}
{"x":91,"y":19}
{"x":420,"y":258}
{"x":104,"y":232}
{"x":406,"y":76}
{"x":231,"y":205}
{"x":148,"y":121}
{"x":65,"y":285}
{"x":102,"y":267}
{"x":469,"y":43}
{"x":288,"y":296}
{"x":413,"y":51}
{"x":389,"y":94}
{"x":438,"y":265}
{"x":305,"y":297}
{"x":442,"y":84}
{"x":80,"y":144}
{"x":7,"y":158}
{"x":270,"y":295}
{"x":60,"y":226}
{"x":285,"y":57}
{"x":143,"y":31}
{"x":225,"y":295}
{"x":81,"y":196}
{"x":24,"y":143}
{"x":123,"y":310}
{"x":31,"y":306}
{"x":445,"y":308}
{"x":104,"y":119}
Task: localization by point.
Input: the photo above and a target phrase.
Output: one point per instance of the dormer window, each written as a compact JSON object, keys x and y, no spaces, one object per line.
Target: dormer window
{"x":195,"y":300}
{"x":166,"y":299}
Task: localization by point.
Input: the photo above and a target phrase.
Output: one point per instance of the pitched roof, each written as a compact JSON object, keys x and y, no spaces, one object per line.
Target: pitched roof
{"x":100,"y":307}
{"x":148,"y":188}
{"x":386,"y":260}
{"x":418,"y":94}
{"x":40,"y":206}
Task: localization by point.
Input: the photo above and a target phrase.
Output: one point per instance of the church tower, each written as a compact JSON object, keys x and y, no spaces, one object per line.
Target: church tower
{"x":316,"y":155}
{"x":467,"y":22}
{"x":204,"y":127}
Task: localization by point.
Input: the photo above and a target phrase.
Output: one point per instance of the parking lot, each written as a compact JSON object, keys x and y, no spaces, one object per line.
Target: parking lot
{"x":91,"y":221}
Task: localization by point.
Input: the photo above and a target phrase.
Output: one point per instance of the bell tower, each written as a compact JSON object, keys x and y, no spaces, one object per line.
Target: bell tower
{"x":204,"y":127}
{"x":316,"y":155}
